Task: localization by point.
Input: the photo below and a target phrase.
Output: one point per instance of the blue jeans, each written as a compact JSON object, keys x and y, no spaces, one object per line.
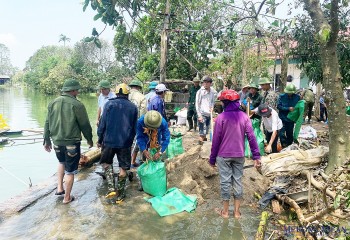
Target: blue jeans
{"x":206,"y":121}
{"x":231,"y":173}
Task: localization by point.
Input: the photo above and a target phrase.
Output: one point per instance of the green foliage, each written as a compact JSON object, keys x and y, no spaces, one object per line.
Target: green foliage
{"x":6,"y":67}
{"x":308,"y":51}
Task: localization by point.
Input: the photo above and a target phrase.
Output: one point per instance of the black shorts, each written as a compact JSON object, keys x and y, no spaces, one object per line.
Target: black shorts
{"x":69,"y":156}
{"x":123,"y":155}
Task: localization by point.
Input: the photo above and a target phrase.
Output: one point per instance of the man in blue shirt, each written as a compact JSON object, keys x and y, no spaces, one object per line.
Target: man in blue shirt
{"x":117,"y":140}
{"x":157,"y":103}
{"x":286,"y":104}
{"x":152,"y":92}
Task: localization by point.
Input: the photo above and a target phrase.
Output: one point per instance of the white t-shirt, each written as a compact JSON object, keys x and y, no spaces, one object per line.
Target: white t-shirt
{"x":273,"y":123}
{"x":103,"y":99}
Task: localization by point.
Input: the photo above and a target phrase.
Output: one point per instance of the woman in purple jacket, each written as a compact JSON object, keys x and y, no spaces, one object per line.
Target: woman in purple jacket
{"x":227,"y":150}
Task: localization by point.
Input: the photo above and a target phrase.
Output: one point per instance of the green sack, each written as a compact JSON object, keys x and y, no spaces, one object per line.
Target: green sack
{"x":174,"y":201}
{"x":153,"y":177}
{"x":259,"y":138}
{"x":297,"y":116}
{"x":348,"y":110}
{"x":175,"y":147}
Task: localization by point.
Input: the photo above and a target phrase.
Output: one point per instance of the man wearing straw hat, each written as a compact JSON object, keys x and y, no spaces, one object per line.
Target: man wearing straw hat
{"x":269,"y":96}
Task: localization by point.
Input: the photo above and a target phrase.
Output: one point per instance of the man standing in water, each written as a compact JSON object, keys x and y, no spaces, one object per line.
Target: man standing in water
{"x":116,"y":133}
{"x":66,"y":120}
{"x":228,"y":151}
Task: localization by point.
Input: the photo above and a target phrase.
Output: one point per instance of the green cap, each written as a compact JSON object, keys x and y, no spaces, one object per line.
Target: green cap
{"x":153,"y":119}
{"x":70,"y":85}
{"x":136,"y":82}
{"x":290,"y":88}
{"x":264,"y":80}
{"x":253,"y":85}
{"x":104,"y":84}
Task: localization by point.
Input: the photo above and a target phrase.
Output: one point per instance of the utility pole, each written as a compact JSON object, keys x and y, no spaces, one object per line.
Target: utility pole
{"x":164,"y":42}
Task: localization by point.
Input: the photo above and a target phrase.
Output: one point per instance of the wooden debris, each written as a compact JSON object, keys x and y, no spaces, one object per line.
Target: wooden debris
{"x":262,"y":226}
{"x":89,"y":157}
{"x":276,"y":208}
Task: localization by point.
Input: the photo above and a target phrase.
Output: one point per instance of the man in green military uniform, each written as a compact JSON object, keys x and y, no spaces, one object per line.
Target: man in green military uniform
{"x":269,"y":96}
{"x":191,"y":112}
{"x":66,"y":120}
{"x":309,"y":97}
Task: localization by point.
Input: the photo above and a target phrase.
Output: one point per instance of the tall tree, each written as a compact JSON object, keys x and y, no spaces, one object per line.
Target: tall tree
{"x":6,"y":67}
{"x":64,"y":39}
{"x":327,"y":30}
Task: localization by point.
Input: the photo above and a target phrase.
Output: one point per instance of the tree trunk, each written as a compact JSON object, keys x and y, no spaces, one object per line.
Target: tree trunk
{"x":284,"y":65}
{"x":339,"y":146}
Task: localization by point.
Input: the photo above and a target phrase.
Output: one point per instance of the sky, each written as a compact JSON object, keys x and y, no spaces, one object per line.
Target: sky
{"x":26,"y":26}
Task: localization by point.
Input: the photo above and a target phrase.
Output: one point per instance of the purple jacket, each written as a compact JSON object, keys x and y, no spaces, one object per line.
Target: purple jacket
{"x":230,"y":130}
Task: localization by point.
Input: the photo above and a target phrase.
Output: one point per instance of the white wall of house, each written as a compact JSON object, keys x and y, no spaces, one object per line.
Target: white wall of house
{"x":293,"y":70}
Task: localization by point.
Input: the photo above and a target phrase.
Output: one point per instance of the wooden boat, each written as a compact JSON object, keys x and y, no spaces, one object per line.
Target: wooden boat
{"x":3,"y":140}
{"x":11,"y":132}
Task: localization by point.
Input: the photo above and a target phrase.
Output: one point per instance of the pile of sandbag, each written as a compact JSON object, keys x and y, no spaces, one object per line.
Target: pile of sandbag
{"x":292,"y":161}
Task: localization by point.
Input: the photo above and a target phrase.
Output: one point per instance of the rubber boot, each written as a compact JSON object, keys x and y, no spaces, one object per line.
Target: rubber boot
{"x":121,"y":188}
{"x":195,"y":126}
{"x":110,"y":182}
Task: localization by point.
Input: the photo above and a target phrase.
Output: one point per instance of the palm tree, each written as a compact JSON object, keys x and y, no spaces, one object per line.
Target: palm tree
{"x":64,"y":39}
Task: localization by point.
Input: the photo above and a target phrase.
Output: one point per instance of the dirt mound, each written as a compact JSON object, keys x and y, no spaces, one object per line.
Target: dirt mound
{"x":191,"y":173}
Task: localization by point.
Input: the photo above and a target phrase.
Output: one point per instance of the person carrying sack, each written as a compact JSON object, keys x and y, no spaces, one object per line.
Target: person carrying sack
{"x":152,"y":133}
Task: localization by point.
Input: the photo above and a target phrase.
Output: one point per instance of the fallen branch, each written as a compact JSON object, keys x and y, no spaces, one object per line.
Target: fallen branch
{"x":294,"y":205}
{"x":319,"y":186}
{"x":262,"y":226}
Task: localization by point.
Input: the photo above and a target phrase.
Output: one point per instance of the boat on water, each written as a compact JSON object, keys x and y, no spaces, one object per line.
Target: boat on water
{"x":3,"y":140}
{"x":11,"y":132}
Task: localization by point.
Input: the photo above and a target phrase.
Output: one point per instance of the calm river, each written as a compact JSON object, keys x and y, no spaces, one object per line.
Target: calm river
{"x":23,"y":159}
{"x":90,"y":216}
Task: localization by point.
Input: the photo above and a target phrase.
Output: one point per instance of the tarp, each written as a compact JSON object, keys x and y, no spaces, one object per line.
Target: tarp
{"x":174,"y":201}
{"x":259,"y":138}
{"x":297,"y":116}
{"x":308,"y":132}
{"x":292,"y":161}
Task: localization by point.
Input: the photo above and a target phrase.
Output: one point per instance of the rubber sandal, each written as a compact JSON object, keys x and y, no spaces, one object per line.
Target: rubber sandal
{"x":60,"y":193}
{"x":72,"y":198}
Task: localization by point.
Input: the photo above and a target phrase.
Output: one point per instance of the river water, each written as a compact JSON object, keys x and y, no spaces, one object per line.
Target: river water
{"x":90,"y":216}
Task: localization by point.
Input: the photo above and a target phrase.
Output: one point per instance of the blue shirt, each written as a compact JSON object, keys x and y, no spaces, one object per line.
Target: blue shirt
{"x":143,"y":140}
{"x":117,"y":128}
{"x":157,"y":103}
{"x":149,"y":96}
{"x":284,"y":103}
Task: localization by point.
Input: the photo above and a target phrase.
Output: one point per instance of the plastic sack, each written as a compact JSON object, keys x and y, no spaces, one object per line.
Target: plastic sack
{"x":259,"y":138}
{"x":175,"y":147}
{"x":153,"y":177}
{"x":174,"y":201}
{"x":348,"y":110}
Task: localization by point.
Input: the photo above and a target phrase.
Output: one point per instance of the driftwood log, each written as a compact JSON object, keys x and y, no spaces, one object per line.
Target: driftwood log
{"x":262,"y":226}
{"x":89,"y":157}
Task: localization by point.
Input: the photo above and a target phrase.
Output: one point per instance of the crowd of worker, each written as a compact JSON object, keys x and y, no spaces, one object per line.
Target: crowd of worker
{"x":129,"y":122}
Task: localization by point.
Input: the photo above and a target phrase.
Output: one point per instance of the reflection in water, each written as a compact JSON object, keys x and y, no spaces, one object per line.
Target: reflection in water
{"x":90,"y":216}
{"x":25,"y":109}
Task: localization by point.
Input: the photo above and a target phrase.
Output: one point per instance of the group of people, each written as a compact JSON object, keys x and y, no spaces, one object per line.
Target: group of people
{"x":127,"y":122}
{"x":130,"y":122}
